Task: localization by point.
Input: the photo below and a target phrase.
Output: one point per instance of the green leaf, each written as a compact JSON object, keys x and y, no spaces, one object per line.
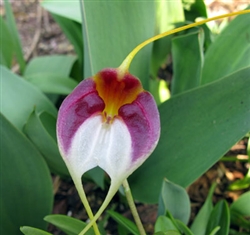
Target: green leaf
{"x":216,"y":114}
{"x":97,"y":175}
{"x":242,"y":205}
{"x":220,"y":217}
{"x":33,"y":231}
{"x":187,"y":66}
{"x":6,"y":43}
{"x":167,"y":14}
{"x":111,"y":30}
{"x":126,"y":223}
{"x":194,"y":9}
{"x":122,"y":231}
{"x":52,"y":83}
{"x":47,"y":146}
{"x":229,"y":52}
{"x":60,"y":65}
{"x":26,"y":185}
{"x":69,"y":225}
{"x":241,"y":183}
{"x":174,"y":199}
{"x":14,"y":35}
{"x":19,"y":97}
{"x":163,"y":224}
{"x":239,"y":220}
{"x":73,"y":32}
{"x":183,"y":228}
{"x":200,"y":222}
{"x":215,"y":230}
{"x":236,"y":232}
{"x":168,"y":233}
{"x":70,"y":10}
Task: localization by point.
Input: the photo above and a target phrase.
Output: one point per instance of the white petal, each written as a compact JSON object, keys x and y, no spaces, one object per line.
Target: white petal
{"x":99,"y":144}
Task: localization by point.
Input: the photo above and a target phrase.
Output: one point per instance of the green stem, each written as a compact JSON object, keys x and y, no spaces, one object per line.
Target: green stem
{"x":112,"y":191}
{"x":79,"y":187}
{"x":133,"y":207}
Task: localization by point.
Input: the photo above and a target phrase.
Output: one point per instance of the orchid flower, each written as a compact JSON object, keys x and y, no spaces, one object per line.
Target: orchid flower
{"x":110,"y":121}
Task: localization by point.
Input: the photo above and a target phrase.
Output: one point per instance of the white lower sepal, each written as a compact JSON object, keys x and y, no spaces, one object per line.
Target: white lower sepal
{"x":97,"y":143}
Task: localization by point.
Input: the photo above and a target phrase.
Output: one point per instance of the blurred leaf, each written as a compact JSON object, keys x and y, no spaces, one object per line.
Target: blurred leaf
{"x":174,"y":199}
{"x":187,"y":66}
{"x":215,"y":230}
{"x":229,"y":52}
{"x":235,"y":232}
{"x":97,"y":175}
{"x":219,"y":217}
{"x":240,"y":221}
{"x":200,"y":222}
{"x":129,"y":23}
{"x":19,"y":97}
{"x":52,"y":83}
{"x":33,"y":231}
{"x":163,"y":224}
{"x":242,"y":205}
{"x":168,"y":233}
{"x":53,"y":64}
{"x":73,"y":31}
{"x":241,"y":183}
{"x":122,"y":231}
{"x":26,"y":185}
{"x":49,"y":123}
{"x":68,"y":9}
{"x":194,"y":9}
{"x":126,"y":223}
{"x":191,"y":123}
{"x":69,"y":225}
{"x":46,"y":145}
{"x":183,"y":228}
{"x":10,"y":20}
{"x":6,"y":45}
{"x":167,"y":14}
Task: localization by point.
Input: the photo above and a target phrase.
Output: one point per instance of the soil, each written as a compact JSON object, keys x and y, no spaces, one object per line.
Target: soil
{"x":40,"y":35}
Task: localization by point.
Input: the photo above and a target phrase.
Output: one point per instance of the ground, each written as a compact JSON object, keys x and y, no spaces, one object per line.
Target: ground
{"x":40,"y":35}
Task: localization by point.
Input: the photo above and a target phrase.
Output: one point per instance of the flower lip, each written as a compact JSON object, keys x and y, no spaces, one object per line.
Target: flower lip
{"x":116,"y":92}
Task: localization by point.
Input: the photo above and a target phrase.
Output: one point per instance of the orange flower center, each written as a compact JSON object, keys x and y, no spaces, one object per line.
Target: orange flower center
{"x":116,"y":92}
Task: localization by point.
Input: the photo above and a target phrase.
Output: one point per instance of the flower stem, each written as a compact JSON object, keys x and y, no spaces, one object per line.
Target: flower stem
{"x":79,"y":187}
{"x":124,"y":67}
{"x":133,"y":207}
{"x":112,"y":190}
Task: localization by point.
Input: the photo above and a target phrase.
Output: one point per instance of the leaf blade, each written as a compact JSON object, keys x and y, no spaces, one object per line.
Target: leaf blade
{"x":23,"y":172}
{"x":183,"y":119}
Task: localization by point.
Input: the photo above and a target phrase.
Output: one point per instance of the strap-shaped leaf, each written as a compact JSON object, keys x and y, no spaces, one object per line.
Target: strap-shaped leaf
{"x":187,"y":53}
{"x":33,"y":231}
{"x":26,"y":185}
{"x":198,"y":127}
{"x":19,"y":97}
{"x":219,"y":217}
{"x":229,"y":52}
{"x":44,"y":142}
{"x":69,"y":225}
